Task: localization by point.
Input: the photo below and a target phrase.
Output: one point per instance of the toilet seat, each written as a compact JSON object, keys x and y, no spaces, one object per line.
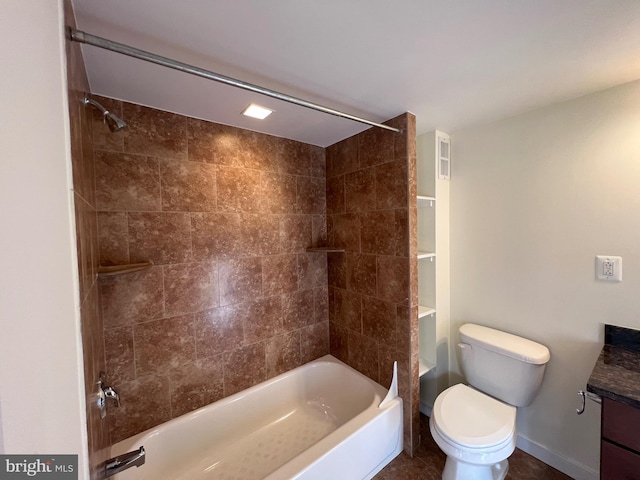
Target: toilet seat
{"x":472,"y":420}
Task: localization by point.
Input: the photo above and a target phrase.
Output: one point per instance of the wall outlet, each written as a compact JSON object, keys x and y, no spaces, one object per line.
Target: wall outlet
{"x":609,"y":268}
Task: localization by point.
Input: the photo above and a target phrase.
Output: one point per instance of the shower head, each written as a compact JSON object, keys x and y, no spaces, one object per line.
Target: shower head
{"x":114,"y":122}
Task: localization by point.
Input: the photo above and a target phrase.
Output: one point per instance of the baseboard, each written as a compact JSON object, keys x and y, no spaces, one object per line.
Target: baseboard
{"x":567,"y":466}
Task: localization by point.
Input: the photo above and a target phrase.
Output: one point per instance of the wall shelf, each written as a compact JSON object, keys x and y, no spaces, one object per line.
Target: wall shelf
{"x":122,"y":269}
{"x":425,"y":367}
{"x":433,"y":276}
{"x":424,"y":311}
{"x":424,"y":201}
{"x":325,"y":249}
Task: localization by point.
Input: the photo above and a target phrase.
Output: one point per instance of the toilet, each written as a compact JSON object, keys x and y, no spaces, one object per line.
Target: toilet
{"x":475,"y":424}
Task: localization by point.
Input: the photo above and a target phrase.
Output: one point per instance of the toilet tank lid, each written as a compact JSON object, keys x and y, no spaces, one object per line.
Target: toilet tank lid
{"x":504,"y":343}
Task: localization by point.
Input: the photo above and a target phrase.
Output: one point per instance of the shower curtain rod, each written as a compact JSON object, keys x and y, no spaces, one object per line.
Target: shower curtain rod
{"x":87,"y":38}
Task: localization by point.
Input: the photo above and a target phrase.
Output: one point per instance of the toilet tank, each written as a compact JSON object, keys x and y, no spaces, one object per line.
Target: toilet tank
{"x":505,"y":366}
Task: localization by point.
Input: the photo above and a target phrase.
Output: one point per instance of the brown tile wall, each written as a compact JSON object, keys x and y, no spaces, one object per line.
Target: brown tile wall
{"x":371,"y":213}
{"x":84,"y":196}
{"x":232,"y":298}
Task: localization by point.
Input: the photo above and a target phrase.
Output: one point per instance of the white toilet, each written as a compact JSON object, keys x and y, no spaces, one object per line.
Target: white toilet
{"x":476,"y":425}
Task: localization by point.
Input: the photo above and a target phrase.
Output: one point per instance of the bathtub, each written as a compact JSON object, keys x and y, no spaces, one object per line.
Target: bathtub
{"x":323,"y":420}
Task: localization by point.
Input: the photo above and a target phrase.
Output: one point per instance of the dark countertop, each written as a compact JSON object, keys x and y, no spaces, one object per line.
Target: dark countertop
{"x":616,"y":374}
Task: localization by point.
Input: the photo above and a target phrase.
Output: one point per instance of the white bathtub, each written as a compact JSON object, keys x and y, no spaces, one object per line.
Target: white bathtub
{"x":319,"y":421}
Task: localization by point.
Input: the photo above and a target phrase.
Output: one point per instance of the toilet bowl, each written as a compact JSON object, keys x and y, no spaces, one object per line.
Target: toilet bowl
{"x":475,"y":431}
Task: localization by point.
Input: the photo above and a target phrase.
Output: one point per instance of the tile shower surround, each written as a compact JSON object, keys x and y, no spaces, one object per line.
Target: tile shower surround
{"x":232,"y":298}
{"x":372,"y":213}
{"x":240,"y":208}
{"x":84,"y":199}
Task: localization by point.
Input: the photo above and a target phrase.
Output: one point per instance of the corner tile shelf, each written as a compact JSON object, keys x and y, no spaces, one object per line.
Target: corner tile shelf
{"x":122,"y":269}
{"x":325,"y":249}
{"x":430,"y":255}
{"x":425,"y":367}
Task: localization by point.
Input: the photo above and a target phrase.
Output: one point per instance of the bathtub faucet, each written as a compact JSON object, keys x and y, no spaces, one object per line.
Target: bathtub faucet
{"x":122,"y":462}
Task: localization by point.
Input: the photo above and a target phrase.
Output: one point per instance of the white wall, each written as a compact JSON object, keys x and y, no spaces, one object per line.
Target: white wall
{"x":534,"y":199}
{"x":41,"y":388}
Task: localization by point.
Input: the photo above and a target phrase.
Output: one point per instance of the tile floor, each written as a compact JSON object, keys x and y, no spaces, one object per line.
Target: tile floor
{"x":428,"y":462}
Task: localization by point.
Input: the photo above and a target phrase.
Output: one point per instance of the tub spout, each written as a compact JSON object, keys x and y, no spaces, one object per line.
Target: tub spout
{"x":122,"y":462}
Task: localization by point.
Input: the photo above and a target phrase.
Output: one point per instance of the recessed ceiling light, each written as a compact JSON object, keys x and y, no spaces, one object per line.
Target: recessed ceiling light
{"x":256,"y":111}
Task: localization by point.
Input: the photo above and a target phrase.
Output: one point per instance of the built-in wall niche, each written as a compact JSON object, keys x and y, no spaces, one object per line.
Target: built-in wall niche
{"x":433,"y":266}
{"x":426,"y":292}
{"x":426,"y":231}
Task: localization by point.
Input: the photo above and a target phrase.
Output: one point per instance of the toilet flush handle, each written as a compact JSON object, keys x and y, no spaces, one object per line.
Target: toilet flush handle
{"x":583,"y":404}
{"x":465,"y":350}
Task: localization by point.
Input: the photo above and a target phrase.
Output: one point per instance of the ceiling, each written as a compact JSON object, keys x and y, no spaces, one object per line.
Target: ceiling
{"x":452,"y":63}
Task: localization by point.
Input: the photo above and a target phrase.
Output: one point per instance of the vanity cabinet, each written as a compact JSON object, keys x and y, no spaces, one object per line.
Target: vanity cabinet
{"x":620,"y":444}
{"x":616,"y":379}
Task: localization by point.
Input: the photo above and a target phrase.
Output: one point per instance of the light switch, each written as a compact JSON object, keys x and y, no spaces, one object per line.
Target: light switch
{"x":609,"y":268}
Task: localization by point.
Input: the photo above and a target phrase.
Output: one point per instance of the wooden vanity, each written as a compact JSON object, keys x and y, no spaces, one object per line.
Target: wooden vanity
{"x":616,"y":379}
